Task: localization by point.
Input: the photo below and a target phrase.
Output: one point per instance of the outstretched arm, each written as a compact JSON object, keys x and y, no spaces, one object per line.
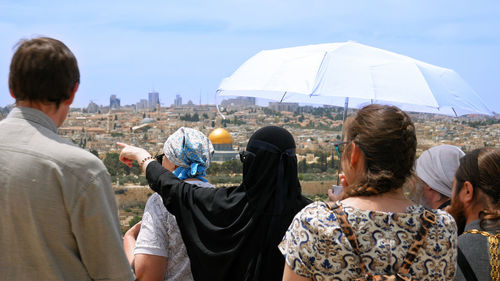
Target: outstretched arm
{"x":131,"y":153}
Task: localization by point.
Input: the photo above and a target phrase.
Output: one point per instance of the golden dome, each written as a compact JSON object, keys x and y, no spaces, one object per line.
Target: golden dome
{"x":220,"y":136}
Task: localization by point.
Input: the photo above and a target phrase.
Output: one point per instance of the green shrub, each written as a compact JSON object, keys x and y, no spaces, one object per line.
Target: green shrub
{"x":134,"y":220}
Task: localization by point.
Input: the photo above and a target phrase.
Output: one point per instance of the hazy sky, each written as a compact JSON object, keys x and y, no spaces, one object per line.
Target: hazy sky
{"x":187,"y":47}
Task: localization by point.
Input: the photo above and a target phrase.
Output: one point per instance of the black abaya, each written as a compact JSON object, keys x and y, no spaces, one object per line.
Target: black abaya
{"x":233,"y":233}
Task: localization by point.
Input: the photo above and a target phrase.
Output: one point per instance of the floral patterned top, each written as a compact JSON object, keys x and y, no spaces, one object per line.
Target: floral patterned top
{"x":315,"y":247}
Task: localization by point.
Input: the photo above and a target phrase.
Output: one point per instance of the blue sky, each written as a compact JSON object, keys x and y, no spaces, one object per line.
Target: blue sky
{"x":187,"y":47}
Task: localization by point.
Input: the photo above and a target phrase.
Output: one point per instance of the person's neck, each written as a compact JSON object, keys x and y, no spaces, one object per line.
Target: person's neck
{"x":472,"y":214}
{"x":392,"y":201}
{"x":192,"y":179}
{"x":56,"y":114}
{"x":439,"y":203}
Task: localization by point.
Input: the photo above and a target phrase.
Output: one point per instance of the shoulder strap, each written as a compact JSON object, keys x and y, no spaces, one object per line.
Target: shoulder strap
{"x":347,"y":230}
{"x":465,"y":266}
{"x":427,"y":219}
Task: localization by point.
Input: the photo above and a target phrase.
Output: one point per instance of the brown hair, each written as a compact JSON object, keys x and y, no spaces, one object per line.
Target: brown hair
{"x":43,"y":69}
{"x":386,"y":136}
{"x":481,"y":168}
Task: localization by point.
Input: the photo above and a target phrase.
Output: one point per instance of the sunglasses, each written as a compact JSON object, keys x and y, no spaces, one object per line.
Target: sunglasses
{"x":339,"y":147}
{"x":245,"y":154}
{"x":159,"y":157}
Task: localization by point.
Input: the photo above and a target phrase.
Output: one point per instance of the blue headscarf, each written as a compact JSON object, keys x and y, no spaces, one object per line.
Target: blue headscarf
{"x":191,"y":150}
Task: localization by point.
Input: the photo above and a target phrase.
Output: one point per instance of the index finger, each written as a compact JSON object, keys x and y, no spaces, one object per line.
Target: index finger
{"x":121,"y":144}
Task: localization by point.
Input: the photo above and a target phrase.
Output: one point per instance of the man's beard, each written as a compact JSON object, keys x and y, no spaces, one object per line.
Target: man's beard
{"x":457,"y":210}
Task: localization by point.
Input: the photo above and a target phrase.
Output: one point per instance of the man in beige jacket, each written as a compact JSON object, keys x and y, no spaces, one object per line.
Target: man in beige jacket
{"x":59,"y":216}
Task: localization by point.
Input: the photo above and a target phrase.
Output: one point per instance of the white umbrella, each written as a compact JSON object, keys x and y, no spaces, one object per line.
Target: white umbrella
{"x":336,"y":72}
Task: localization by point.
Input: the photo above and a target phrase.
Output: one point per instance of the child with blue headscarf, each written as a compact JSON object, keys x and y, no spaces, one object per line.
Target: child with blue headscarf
{"x":190,"y":151}
{"x":159,"y":252}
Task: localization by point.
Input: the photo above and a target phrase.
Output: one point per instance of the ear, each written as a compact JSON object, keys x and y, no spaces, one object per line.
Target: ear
{"x":467,"y":193}
{"x":72,"y":96}
{"x":355,"y":154}
{"x":12,"y":94}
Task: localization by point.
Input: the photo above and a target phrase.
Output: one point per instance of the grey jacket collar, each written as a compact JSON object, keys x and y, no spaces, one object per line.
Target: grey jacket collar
{"x":473,"y":225}
{"x":33,"y":115}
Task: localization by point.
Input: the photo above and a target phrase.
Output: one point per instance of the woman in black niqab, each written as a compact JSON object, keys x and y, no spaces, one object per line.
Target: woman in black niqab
{"x":233,"y":233}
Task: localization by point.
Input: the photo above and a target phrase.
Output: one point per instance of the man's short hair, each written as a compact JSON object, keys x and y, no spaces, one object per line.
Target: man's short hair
{"x":43,"y":69}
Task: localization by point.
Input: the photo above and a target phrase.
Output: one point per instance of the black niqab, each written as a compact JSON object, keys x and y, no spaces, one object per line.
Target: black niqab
{"x":233,"y":233}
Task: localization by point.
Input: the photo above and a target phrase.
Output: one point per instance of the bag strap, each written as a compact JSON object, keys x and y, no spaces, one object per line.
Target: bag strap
{"x":465,"y":266}
{"x":347,"y":230}
{"x":427,"y":219}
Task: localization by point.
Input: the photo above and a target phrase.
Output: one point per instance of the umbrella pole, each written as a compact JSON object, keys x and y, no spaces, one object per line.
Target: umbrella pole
{"x":284,"y":94}
{"x":346,"y":104}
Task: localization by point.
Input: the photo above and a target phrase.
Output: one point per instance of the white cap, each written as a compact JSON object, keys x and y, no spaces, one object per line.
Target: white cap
{"x":437,"y":167}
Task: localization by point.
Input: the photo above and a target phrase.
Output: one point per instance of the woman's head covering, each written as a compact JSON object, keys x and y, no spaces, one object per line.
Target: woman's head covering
{"x":275,"y":148}
{"x":233,"y":233}
{"x":191,"y":150}
{"x":437,"y":167}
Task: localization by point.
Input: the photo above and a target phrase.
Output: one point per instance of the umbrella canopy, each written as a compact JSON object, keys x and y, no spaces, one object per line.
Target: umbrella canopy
{"x":330,"y":73}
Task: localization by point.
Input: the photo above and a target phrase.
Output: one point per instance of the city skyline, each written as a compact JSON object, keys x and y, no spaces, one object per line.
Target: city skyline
{"x":129,"y":49}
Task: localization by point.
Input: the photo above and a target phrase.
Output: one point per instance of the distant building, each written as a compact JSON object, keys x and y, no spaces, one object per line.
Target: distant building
{"x":114,"y":102}
{"x":239,"y":102}
{"x":92,"y":107}
{"x":141,"y":128}
{"x":284,"y":106}
{"x":153,"y":100}
{"x":178,"y":101}
{"x":223,"y":145}
{"x":147,"y":120}
{"x":142,"y":105}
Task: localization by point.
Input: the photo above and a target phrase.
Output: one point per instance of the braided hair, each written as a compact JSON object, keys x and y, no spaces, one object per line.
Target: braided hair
{"x":386,"y":136}
{"x":481,"y":168}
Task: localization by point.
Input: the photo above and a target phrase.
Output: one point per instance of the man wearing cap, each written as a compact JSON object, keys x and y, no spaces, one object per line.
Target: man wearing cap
{"x":434,"y":173}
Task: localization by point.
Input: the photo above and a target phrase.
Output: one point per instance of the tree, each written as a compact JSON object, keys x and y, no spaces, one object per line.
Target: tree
{"x":214,"y":168}
{"x":93,"y":151}
{"x":134,"y":220}
{"x":302,"y":166}
{"x":232,"y":166}
{"x":114,"y":166}
{"x":135,"y":169}
{"x":322,"y":160}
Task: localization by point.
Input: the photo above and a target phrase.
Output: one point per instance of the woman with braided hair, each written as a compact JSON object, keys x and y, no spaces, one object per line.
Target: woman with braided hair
{"x":374,"y":232}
